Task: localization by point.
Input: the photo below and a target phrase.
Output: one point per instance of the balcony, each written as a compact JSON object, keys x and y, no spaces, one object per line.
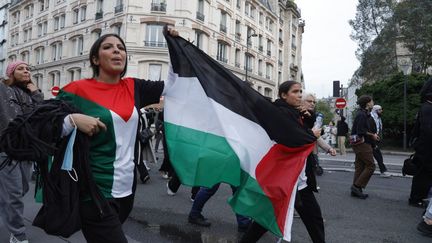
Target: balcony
{"x":269,"y":53}
{"x":223,"y":28}
{"x":118,"y":8}
{"x":260,"y":48}
{"x":237,"y":65}
{"x":237,"y":37}
{"x":200,"y":16}
{"x":280,"y":63}
{"x":294,"y":47}
{"x":158,"y":7}
{"x":294,"y":67}
{"x":99,"y":15}
{"x":155,"y":44}
{"x":280,"y":41}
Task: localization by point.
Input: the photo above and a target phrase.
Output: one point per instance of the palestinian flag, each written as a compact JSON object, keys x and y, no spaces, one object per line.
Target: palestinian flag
{"x":218,"y":129}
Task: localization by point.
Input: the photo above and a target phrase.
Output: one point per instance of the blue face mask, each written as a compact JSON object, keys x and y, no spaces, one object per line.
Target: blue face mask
{"x":68,"y":156}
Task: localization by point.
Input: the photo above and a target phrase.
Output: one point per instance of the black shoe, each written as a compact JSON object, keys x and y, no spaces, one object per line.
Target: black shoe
{"x":419,"y":204}
{"x":144,"y":179}
{"x":358,"y":192}
{"x":200,"y":220}
{"x":425,"y":229}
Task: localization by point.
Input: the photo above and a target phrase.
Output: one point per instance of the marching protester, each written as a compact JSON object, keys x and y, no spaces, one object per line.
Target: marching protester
{"x":18,"y":95}
{"x":290,"y":99}
{"x":342,"y":132}
{"x":422,"y":144}
{"x":109,"y":105}
{"x":377,"y":123}
{"x":361,"y":140}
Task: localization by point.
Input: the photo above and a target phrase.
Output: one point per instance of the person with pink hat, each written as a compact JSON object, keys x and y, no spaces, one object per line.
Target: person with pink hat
{"x":18,"y":95}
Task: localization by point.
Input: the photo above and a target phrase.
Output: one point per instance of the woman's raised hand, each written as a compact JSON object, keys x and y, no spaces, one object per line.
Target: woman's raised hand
{"x":87,"y":124}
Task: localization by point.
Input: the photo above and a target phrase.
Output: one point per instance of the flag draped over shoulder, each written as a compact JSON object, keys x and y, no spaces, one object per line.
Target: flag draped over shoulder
{"x":219,"y":129}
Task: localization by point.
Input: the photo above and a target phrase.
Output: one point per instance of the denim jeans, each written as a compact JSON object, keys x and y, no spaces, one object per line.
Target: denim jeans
{"x":428,"y":213}
{"x":203,"y":195}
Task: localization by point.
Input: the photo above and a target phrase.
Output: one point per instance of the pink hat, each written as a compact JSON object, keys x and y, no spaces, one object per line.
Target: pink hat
{"x":12,"y":66}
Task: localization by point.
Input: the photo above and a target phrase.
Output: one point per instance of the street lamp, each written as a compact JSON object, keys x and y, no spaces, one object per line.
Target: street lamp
{"x":247,"y":51}
{"x":405,"y":68}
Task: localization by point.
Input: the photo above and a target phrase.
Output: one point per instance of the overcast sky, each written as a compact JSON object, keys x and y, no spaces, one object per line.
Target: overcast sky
{"x":328,"y":51}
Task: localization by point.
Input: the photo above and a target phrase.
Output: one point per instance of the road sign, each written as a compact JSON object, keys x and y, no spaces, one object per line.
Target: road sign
{"x":55,"y":90}
{"x":340,"y":103}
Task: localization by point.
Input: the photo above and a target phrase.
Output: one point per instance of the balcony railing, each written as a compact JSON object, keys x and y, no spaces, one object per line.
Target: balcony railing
{"x":280,"y":41}
{"x":98,"y":15}
{"x":260,"y":48}
{"x":160,"y":7}
{"x":200,"y":16}
{"x":280,"y":63}
{"x":269,"y":53}
{"x":237,"y":37}
{"x":223,"y":28}
{"x":155,"y":44}
{"x":222,"y":59}
{"x":118,"y":8}
{"x":293,"y":46}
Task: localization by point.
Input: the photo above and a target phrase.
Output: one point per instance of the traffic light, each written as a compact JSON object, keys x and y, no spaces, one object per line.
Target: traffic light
{"x":336,"y":88}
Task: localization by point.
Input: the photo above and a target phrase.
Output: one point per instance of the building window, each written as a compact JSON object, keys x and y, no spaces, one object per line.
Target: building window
{"x":40,"y":53}
{"x":199,"y":39}
{"x":223,"y":22}
{"x":261,"y":18}
{"x":269,"y":47}
{"x":154,"y":36}
{"x":119,"y":6}
{"x":83,"y":13}
{"x":237,"y":58}
{"x":25,"y":56}
{"x":38,"y":79}
{"x":55,"y":78}
{"x":260,"y":67}
{"x":62,"y":21}
{"x":56,"y":22}
{"x":77,"y":46}
{"x":12,"y":58}
{"x":200,"y":12}
{"x":75,"y":15}
{"x":158,"y":5}
{"x":74,"y":74}
{"x":268,"y":92}
{"x":99,"y":9}
{"x":222,"y":52}
{"x":57,"y":50}
{"x":155,"y":71}
{"x":117,"y":28}
{"x":269,"y":71}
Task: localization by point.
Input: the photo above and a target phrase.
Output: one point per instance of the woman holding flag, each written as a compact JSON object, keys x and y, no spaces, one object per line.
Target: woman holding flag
{"x":289,"y":102}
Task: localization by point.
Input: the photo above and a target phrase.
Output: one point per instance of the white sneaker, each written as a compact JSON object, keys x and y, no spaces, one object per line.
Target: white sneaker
{"x":385,"y":174}
{"x":13,"y":239}
{"x":169,"y":192}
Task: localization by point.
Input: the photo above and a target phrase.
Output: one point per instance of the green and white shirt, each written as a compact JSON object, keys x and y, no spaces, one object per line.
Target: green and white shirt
{"x":112,"y":152}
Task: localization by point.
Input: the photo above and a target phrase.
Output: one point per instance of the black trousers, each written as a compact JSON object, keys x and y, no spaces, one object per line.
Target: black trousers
{"x":421,"y":182}
{"x":174,"y":184}
{"x":379,"y":158}
{"x":310,"y":213}
{"x":106,"y":228}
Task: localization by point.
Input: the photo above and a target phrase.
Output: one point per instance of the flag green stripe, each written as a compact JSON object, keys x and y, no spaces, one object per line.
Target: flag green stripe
{"x":101,"y":153}
{"x":205,"y":159}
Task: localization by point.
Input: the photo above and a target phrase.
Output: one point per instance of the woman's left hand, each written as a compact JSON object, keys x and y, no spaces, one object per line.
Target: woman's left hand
{"x":32,"y":87}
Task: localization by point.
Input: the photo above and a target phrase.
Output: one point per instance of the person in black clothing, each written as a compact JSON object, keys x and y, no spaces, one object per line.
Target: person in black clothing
{"x":364,"y":161}
{"x":342,"y":131}
{"x":290,"y":94}
{"x":422,"y":181}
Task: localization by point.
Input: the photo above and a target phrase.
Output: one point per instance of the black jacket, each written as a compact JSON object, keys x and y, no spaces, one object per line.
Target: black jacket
{"x":423,"y":144}
{"x":361,"y":125}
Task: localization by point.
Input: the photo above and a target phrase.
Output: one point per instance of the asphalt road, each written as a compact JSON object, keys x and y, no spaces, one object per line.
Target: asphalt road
{"x":384,"y":217}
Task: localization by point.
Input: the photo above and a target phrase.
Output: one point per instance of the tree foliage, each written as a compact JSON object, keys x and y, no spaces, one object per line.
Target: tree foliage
{"x":414,"y":18}
{"x":389,"y":94}
{"x":324,"y":108}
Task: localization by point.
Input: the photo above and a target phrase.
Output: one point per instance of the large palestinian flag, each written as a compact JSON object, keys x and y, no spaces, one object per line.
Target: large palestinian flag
{"x":218,"y":129}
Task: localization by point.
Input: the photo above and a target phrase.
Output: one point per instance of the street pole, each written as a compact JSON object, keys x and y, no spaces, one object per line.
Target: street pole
{"x":405,"y":115}
{"x":405,"y":68}
{"x":247,"y":52}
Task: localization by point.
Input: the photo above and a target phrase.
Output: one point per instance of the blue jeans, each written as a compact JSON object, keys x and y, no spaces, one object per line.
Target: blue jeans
{"x":428,"y":213}
{"x":203,"y":195}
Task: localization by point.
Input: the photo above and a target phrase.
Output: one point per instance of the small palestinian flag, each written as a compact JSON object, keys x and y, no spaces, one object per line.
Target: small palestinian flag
{"x":218,"y":129}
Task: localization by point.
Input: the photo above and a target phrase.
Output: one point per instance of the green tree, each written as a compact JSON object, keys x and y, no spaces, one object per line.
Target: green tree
{"x":324,"y":108}
{"x":414,"y":18}
{"x":389,"y":94}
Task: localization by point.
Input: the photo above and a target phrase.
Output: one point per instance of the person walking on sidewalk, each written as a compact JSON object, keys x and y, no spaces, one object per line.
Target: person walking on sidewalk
{"x":342,"y":132}
{"x":362,"y":139}
{"x":376,"y":116}
{"x":18,"y":95}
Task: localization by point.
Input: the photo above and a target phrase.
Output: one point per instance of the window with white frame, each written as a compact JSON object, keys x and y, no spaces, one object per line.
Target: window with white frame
{"x":261,"y":18}
{"x":247,"y":8}
{"x":62,"y":21}
{"x":38,"y":79}
{"x":25,"y":56}
{"x":269,"y":70}
{"x":75,"y":16}
{"x":40,"y":55}
{"x":16,"y":17}
{"x":55,"y":78}
{"x":249,"y":60}
{"x":99,"y":6}
{"x":155,"y":71}
{"x":83,"y":13}
{"x":77,"y":45}
{"x":268,"y":92}
{"x":12,"y":58}
{"x":44,"y":28}
{"x":269,"y":47}
{"x":117,"y":28}
{"x":154,"y":36}
{"x":74,"y":74}
{"x":222,"y":52}
{"x":199,"y":38}
{"x":56,"y":23}
{"x":57,"y":50}
{"x":43,"y":5}
{"x":260,"y":67}
{"x":223,"y":21}
{"x":237,"y":58}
